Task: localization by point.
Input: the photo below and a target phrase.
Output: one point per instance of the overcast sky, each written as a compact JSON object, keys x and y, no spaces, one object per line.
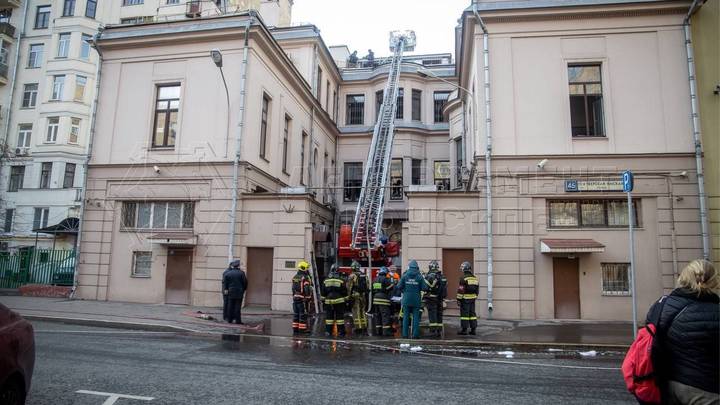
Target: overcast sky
{"x":366,"y":24}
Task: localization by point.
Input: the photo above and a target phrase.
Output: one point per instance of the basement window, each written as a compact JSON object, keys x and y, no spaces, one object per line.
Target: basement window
{"x":615,"y":278}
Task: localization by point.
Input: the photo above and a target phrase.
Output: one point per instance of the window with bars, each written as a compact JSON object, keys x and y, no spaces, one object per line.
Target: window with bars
{"x":442,"y":175}
{"x":142,"y":264}
{"x":69,"y":176}
{"x":355,"y":106}
{"x":586,"y":100}
{"x":30,"y":93}
{"x":440,"y":98}
{"x":396,"y":179}
{"x":416,"y":104}
{"x":17,"y":178}
{"x":264,"y":125}
{"x":400,"y":104}
{"x":45,"y":174}
{"x":352,"y":181}
{"x":158,"y":215}
{"x":167,"y":107}
{"x":615,"y":278}
{"x":590,"y":213}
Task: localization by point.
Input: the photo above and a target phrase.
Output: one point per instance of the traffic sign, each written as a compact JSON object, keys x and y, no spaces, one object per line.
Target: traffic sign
{"x":627,"y":179}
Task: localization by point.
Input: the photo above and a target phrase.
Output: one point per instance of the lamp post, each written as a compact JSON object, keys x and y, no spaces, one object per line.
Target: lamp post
{"x":217,"y":58}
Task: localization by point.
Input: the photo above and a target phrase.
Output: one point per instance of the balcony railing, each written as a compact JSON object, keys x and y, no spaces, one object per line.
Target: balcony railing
{"x":3,"y":71}
{"x":10,"y":3}
{"x":7,"y":29}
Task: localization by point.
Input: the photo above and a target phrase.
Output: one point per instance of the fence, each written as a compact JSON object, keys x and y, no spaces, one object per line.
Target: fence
{"x":37,"y":266}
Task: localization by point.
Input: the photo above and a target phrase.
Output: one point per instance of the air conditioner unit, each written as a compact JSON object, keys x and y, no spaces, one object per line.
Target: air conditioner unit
{"x":22,"y":151}
{"x":194,"y":9}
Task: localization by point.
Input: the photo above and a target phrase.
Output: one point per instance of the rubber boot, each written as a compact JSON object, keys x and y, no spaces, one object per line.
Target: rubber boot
{"x":472,"y":331}
{"x":462,"y":332}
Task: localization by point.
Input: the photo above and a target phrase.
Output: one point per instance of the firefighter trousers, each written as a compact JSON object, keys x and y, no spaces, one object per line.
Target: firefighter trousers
{"x":300,"y":316}
{"x":335,"y":316}
{"x":358,"y":313}
{"x":383,"y":320}
{"x":435,"y":313}
{"x":468,"y":317}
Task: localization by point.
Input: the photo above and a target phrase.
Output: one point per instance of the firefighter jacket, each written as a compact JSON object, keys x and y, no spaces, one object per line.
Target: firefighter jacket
{"x":469,"y":287}
{"x":382,"y":289}
{"x":436,"y":285}
{"x":357,"y":285}
{"x":334,"y":290}
{"x":302,"y":286}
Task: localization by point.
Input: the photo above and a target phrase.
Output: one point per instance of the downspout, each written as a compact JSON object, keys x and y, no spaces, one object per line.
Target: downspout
{"x":697,"y":136}
{"x":488,"y":166}
{"x":88,"y":156}
{"x":11,"y":91}
{"x":238,"y":141}
{"x":673,"y":233}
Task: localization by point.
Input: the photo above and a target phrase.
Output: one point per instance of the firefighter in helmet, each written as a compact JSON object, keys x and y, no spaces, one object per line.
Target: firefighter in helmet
{"x":466,"y":295}
{"x":358,"y":289}
{"x":334,"y":294}
{"x":437,"y":290}
{"x":382,"y":288}
{"x":302,"y":291}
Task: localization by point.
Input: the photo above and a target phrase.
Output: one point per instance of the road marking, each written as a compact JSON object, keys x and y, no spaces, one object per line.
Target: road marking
{"x":112,"y":397}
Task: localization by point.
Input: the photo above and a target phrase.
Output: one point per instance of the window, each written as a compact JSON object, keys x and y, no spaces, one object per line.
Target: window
{"x":68,"y":8}
{"x":69,"y":177}
{"x":286,"y":131}
{"x":137,"y":20}
{"x":40,"y":219}
{"x":158,"y":215}
{"x":459,"y":162}
{"x":440,"y":99}
{"x":35,"y":56}
{"x":52,"y":129}
{"x":166,"y":115}
{"x":90,"y":8}
{"x":142,"y":264}
{"x":173,"y":2}
{"x":319,"y":84}
{"x":24,"y":135}
{"x":42,"y":17}
{"x":74,"y":130}
{"x":352,"y":176}
{"x":30,"y":92}
{"x":45,"y":174}
{"x":132,"y":2}
{"x":396,"y":179}
{"x":58,"y":87}
{"x":17,"y":176}
{"x":335,"y":105}
{"x":264,"y":125}
{"x":85,"y":46}
{"x":590,"y":213}
{"x":80,"y":84}
{"x":416,"y":172}
{"x":63,"y":45}
{"x":355,"y":109}
{"x":586,"y":109}
{"x":615,"y":278}
{"x":379,"y":95}
{"x":327,"y":97}
{"x":302,"y":157}
{"x":442,"y":175}
{"x":416,"y":104}
{"x":9,"y":216}
{"x":400,"y":104}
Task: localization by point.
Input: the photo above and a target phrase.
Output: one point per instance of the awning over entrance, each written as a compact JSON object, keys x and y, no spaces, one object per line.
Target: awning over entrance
{"x":174,"y":238}
{"x":68,"y":226}
{"x":571,"y":246}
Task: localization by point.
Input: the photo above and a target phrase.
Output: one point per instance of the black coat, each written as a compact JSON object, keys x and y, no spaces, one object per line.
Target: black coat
{"x":688,"y":346}
{"x":235,"y":282}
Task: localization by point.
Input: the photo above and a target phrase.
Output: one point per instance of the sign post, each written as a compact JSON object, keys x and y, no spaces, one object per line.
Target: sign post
{"x":627,"y":180}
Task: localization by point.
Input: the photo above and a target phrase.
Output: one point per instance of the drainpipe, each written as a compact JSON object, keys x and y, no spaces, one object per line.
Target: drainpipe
{"x":11,"y":91}
{"x":238,"y":141}
{"x":673,"y":233}
{"x":88,"y":156}
{"x":697,"y":136}
{"x":488,"y":166}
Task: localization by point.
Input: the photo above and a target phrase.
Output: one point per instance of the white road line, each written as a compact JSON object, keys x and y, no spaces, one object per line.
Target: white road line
{"x":112,"y":397}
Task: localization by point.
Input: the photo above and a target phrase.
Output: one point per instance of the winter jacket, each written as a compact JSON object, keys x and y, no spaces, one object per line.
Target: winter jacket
{"x":688,"y":346}
{"x":412,"y":284}
{"x":234,"y":282}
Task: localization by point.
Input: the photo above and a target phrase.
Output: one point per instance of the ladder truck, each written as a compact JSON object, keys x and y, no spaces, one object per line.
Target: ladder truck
{"x":360,"y":241}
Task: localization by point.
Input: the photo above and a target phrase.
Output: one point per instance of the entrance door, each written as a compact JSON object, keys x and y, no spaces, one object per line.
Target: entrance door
{"x":566,"y":285}
{"x":451,"y":261}
{"x":259,"y":275}
{"x":178,"y":276}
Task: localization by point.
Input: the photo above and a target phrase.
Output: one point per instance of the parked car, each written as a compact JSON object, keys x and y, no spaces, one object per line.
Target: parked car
{"x":17,"y":357}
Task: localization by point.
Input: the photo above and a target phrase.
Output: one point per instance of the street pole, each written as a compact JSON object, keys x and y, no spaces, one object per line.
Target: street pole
{"x":627,"y":187}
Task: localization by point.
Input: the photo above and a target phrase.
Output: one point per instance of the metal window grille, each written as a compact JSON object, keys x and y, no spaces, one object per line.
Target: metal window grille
{"x":615,"y":278}
{"x":142,"y":264}
{"x":355,"y":109}
{"x":439,"y":100}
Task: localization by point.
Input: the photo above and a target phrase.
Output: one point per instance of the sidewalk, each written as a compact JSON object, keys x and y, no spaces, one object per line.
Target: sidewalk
{"x":263,"y":321}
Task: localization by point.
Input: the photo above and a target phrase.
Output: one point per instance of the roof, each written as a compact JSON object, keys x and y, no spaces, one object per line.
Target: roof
{"x":67,"y":226}
{"x":529,"y":4}
{"x":571,"y":246}
{"x":352,"y":74}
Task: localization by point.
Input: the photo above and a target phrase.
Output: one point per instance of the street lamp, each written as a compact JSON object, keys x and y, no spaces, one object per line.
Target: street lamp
{"x":217,"y":58}
{"x":428,"y":73}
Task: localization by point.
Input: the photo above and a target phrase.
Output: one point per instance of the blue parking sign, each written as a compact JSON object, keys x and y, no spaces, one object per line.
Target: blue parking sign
{"x":627,"y":179}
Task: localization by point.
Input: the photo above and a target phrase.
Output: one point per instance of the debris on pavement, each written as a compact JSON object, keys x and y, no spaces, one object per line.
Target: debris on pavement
{"x":416,"y":349}
{"x":404,"y":345}
{"x":591,"y":353}
{"x":508,"y":354}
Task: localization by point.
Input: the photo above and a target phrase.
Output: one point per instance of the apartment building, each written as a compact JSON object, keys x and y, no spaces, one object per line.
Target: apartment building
{"x":579,"y":91}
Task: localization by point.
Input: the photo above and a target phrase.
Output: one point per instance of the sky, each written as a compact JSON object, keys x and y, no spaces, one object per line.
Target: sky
{"x":366,"y":24}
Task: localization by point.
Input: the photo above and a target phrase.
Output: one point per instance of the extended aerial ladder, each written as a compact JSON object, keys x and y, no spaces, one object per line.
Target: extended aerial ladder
{"x":369,"y":212}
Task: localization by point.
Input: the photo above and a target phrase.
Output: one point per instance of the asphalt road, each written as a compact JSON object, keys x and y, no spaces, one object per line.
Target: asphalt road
{"x":181,"y":369}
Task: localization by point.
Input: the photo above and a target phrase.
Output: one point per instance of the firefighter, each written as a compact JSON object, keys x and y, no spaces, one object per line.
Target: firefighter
{"x":395,"y":297}
{"x":466,"y":296}
{"x":334,"y":294}
{"x":302,"y":294}
{"x":382,"y":289}
{"x":358,"y":289}
{"x":433,"y":298}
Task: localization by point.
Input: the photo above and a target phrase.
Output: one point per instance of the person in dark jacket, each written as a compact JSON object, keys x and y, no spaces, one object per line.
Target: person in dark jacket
{"x":686,"y":349}
{"x":302,"y":291}
{"x":467,"y":293}
{"x":382,"y":288}
{"x":433,"y":299}
{"x":412,"y":285}
{"x":234,"y":284}
{"x":334,"y":294}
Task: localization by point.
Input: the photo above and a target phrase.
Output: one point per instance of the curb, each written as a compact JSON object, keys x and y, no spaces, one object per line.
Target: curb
{"x":524,"y":345}
{"x":152,"y":327}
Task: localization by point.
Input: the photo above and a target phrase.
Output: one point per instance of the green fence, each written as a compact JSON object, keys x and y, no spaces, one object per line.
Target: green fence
{"x":37,"y":266}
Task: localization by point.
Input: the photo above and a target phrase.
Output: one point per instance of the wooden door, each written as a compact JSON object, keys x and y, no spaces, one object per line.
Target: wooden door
{"x":260,"y":276}
{"x":451,"y":261}
{"x":178,"y":276}
{"x":566,"y":286}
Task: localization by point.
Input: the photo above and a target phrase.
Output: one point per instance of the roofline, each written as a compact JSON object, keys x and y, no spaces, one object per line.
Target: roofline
{"x":534,"y":4}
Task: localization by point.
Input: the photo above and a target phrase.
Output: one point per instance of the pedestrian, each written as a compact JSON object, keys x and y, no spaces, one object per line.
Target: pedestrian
{"x":358,"y":289}
{"x":433,"y":299}
{"x":234,"y":284}
{"x":395,"y":298}
{"x":353,"y":59}
{"x":302,"y":294}
{"x":411,"y":285}
{"x":382,"y":289}
{"x":466,"y":296}
{"x":686,"y":348}
{"x":334,"y":294}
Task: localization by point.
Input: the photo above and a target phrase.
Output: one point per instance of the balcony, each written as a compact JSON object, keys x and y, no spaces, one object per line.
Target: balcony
{"x":10,"y":3}
{"x":3,"y":74}
{"x":7,"y":30}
